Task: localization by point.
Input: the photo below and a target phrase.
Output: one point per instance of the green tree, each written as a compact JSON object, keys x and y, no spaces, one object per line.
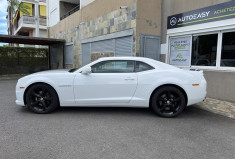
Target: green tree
{"x":15,"y":5}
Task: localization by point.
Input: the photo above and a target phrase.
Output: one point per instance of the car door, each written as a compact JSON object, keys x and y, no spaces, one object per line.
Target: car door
{"x":112,"y":81}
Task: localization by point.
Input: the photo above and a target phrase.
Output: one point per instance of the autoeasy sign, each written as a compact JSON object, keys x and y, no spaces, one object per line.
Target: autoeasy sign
{"x":204,"y":15}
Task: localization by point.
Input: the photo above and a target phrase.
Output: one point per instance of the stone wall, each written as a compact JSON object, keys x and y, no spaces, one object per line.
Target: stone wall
{"x":115,"y":21}
{"x":96,"y":56}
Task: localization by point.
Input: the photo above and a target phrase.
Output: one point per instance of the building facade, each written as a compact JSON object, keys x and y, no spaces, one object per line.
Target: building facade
{"x":60,"y":9}
{"x":33,"y":24}
{"x":183,"y":33}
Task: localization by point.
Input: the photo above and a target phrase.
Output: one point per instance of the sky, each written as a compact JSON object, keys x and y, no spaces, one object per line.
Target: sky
{"x":3,"y":21}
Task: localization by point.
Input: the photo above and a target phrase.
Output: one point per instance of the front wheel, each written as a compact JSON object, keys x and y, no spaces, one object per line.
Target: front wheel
{"x":168,"y":101}
{"x":41,"y":99}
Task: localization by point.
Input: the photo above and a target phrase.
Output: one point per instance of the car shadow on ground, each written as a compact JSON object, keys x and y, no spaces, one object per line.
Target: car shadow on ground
{"x":189,"y":113}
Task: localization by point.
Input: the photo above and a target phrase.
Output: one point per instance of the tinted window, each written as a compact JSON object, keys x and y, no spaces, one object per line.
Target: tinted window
{"x":204,"y":50}
{"x":113,"y":67}
{"x":141,"y":66}
{"x":228,"y":50}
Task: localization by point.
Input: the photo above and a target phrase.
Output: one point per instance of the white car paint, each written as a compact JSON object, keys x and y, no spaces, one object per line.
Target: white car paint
{"x":115,"y":89}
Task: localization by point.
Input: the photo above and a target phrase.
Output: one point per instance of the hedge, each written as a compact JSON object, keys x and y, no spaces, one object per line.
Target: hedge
{"x":23,"y":60}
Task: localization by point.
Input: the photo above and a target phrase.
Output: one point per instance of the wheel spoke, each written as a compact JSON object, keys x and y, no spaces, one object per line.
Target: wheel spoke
{"x":161,"y":99}
{"x":173,"y":109}
{"x":48,"y":98}
{"x":43,"y":92}
{"x":176,"y":99}
{"x":168,"y":94}
{"x":36,"y":95}
{"x":43,"y":104}
{"x":164,"y":107}
{"x":35,"y":103}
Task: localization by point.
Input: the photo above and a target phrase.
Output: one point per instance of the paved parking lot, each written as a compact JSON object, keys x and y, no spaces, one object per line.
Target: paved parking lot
{"x":110,"y":133}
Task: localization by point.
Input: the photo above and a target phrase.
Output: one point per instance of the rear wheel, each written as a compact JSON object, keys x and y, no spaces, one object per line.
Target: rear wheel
{"x":41,"y":99}
{"x":168,"y":101}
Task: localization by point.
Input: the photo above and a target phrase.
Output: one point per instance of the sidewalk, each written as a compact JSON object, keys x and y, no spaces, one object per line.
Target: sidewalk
{"x":218,"y":106}
{"x":11,"y":76}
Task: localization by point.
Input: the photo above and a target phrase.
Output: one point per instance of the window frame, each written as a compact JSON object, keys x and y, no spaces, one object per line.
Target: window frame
{"x":114,"y":61}
{"x":152,"y":68}
{"x":222,"y":67}
{"x":217,"y":51}
{"x":199,"y":32}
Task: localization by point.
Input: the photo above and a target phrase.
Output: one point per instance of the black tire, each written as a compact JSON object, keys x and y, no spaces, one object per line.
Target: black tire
{"x":168,"y":101}
{"x":41,"y":99}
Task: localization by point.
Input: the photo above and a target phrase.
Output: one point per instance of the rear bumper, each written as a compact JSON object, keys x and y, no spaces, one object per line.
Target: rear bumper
{"x":196,"y":94}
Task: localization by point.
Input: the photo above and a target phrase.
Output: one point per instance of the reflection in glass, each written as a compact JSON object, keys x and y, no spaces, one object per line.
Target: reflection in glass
{"x":204,"y":50}
{"x":228,"y":50}
{"x":119,"y":66}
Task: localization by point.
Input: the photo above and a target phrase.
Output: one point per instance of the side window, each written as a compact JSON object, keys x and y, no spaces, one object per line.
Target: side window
{"x":141,"y":66}
{"x":119,"y":66}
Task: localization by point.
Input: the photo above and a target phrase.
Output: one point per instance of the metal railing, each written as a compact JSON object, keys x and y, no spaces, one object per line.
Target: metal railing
{"x":43,"y":21}
{"x":77,"y":8}
{"x":44,"y":1}
{"x":26,"y":20}
{"x":29,"y":20}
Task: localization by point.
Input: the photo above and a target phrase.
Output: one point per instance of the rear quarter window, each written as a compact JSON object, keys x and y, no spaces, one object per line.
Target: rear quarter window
{"x":141,"y":66}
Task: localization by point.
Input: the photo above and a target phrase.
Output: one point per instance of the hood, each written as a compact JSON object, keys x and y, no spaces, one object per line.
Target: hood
{"x":43,"y":73}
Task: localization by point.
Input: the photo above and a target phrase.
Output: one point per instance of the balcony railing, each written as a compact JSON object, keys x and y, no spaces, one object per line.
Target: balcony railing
{"x":44,"y":1}
{"x":43,"y":21}
{"x":70,"y":12}
{"x":31,"y":20}
{"x":26,"y":20}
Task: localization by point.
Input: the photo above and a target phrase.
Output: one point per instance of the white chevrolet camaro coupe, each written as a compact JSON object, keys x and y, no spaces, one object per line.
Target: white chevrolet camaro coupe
{"x":117,"y":82}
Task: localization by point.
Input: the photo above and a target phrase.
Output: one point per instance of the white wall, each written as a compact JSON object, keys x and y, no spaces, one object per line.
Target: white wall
{"x":84,"y":3}
{"x":53,"y":12}
{"x":42,"y":33}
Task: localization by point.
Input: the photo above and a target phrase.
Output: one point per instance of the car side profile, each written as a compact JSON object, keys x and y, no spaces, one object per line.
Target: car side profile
{"x":114,"y":81}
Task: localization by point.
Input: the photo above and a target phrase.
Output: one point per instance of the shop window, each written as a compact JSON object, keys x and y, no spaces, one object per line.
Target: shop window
{"x":228,"y":50}
{"x":204,"y":50}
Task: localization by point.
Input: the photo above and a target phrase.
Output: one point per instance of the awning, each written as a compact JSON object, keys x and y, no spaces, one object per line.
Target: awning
{"x":29,"y":40}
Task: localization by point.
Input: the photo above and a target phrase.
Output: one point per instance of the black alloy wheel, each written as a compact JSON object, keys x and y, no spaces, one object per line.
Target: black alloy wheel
{"x":41,"y":99}
{"x":168,"y":101}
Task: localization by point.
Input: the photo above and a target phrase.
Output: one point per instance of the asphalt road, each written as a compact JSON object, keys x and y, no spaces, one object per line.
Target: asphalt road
{"x":111,"y":133}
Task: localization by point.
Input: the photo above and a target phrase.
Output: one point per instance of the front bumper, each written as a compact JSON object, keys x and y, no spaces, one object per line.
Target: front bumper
{"x":19,"y":103}
{"x":19,"y":95}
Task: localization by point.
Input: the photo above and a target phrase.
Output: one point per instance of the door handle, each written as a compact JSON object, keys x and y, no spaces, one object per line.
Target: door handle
{"x":129,"y":79}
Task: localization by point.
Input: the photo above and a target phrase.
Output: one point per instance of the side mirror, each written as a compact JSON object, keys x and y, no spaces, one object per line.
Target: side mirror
{"x":86,"y":71}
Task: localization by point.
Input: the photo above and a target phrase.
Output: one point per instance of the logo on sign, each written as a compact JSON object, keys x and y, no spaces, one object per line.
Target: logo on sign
{"x":173,"y":21}
{"x":179,"y":56}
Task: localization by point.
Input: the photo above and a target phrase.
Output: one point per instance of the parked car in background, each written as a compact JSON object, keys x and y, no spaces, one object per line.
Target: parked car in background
{"x":114,"y":81}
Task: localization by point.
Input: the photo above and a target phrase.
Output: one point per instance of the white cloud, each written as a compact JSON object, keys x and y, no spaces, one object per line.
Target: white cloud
{"x":3,"y":6}
{"x":3,"y":24}
{"x":3,"y":32}
{"x":3,"y":18}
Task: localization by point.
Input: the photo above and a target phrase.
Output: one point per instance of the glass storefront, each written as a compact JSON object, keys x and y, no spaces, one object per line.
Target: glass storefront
{"x":228,"y":50}
{"x":204,"y":50}
{"x":209,"y":50}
